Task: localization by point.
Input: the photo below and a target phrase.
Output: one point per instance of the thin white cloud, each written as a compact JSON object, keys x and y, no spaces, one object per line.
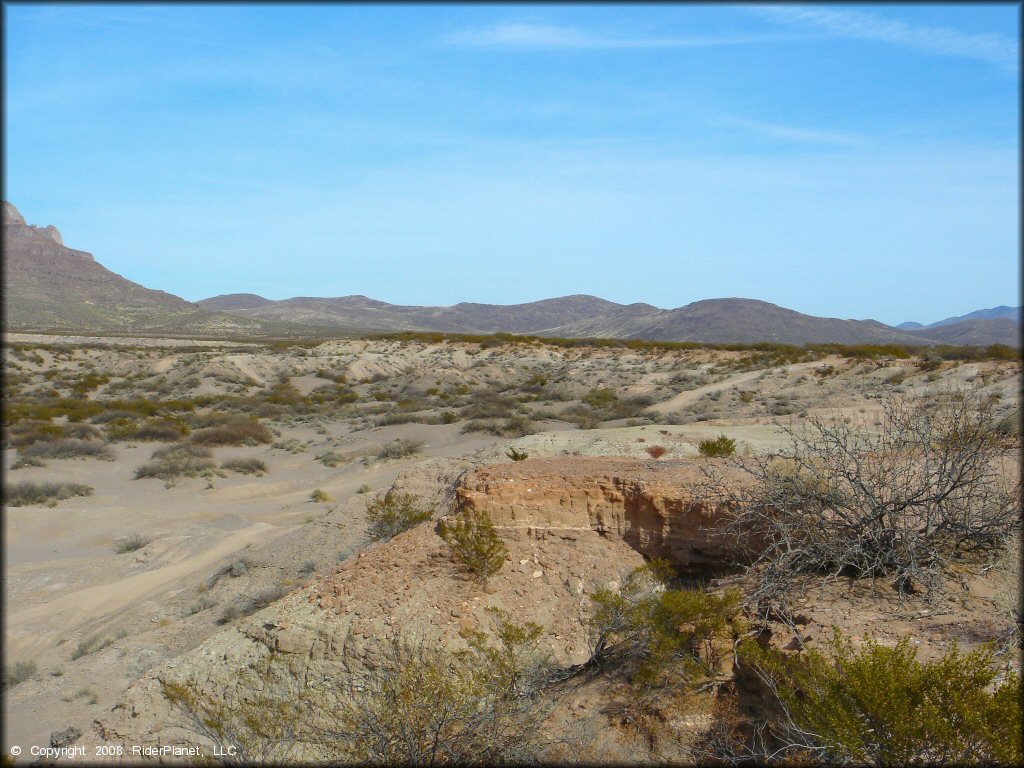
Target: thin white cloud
{"x":519,"y":35}
{"x":869,"y":26}
{"x":794,"y":134}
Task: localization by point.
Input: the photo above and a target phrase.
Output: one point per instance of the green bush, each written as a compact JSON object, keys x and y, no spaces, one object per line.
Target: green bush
{"x":719,"y":446}
{"x":474,"y":542}
{"x":390,"y":514}
{"x":881,"y":706}
{"x":600,"y":398}
{"x":517,"y":456}
{"x":646,"y":627}
{"x":28,"y":493}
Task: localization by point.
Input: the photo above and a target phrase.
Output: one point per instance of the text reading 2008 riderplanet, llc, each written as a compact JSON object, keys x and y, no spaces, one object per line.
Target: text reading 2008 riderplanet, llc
{"x":112,"y":750}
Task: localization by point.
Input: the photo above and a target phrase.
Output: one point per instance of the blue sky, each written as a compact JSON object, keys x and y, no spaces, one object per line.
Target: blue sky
{"x":846,"y":161}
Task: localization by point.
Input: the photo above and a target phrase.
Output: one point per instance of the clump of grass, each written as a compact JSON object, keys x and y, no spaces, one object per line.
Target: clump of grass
{"x":291,"y":445}
{"x":234,"y":432}
{"x":318,"y":495}
{"x":399,"y":448}
{"x":364,"y":488}
{"x":18,"y":672}
{"x":177,"y":461}
{"x":131,"y":542}
{"x":68,"y":448}
{"x":249,"y":466}
{"x":251,"y":604}
{"x":28,"y":493}
{"x":332,"y":458}
{"x":719,"y":446}
{"x":95,"y":644}
{"x":153,"y":430}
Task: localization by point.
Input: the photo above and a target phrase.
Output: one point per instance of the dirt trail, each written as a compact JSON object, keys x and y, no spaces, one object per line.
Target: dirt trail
{"x":692,"y":395}
{"x":102,"y":600}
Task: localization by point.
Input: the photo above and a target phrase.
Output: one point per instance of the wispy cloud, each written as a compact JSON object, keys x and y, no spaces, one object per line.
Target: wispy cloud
{"x":793,"y":134}
{"x":869,"y":26}
{"x":520,"y":35}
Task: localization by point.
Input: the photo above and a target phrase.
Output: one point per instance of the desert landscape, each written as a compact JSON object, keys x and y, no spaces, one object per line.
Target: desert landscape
{"x":208,"y":510}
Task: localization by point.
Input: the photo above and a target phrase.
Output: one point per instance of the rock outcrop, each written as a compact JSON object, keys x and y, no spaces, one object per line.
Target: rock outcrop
{"x":652,"y":506}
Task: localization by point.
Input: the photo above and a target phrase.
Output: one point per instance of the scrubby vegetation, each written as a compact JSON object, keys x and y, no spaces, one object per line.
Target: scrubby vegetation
{"x":131,"y":542}
{"x":177,"y":461}
{"x":929,"y":484}
{"x":881,"y":706}
{"x":234,"y":432}
{"x":18,"y":672}
{"x":67,"y":448}
{"x":718,"y":446}
{"x":245,"y":466}
{"x":390,"y":514}
{"x":474,"y":543}
{"x":399,"y":448}
{"x":27,"y":493}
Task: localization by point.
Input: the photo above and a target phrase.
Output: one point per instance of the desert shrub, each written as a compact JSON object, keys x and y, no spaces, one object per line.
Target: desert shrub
{"x":474,"y":542}
{"x":27,"y":493}
{"x":515,"y":455}
{"x":449,"y":417}
{"x":719,"y":446}
{"x":332,"y":458}
{"x":131,"y":542}
{"x":32,"y":431}
{"x":318,"y":495}
{"x":654,"y":633}
{"x":881,"y":706}
{"x":23,"y":462}
{"x":292,"y":445}
{"x":897,"y":502}
{"x":516,"y":425}
{"x":480,"y":706}
{"x":95,"y":644}
{"x":656,"y":451}
{"x":600,"y":398}
{"x":152,"y":430}
{"x":399,"y":448}
{"x":18,"y":672}
{"x":177,"y":461}
{"x":245,"y":466}
{"x":364,"y":488}
{"x":390,"y":514}
{"x":235,"y":432}
{"x":68,"y":448}
{"x":249,"y":604}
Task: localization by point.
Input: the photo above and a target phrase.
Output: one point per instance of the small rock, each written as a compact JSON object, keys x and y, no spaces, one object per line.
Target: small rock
{"x":537,"y":574}
{"x":64,"y":738}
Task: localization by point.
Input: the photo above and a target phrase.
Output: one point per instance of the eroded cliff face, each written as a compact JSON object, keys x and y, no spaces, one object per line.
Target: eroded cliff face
{"x":652,"y":506}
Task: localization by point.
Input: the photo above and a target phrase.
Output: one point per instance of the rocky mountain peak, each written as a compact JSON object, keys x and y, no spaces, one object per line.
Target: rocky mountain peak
{"x":11,"y":215}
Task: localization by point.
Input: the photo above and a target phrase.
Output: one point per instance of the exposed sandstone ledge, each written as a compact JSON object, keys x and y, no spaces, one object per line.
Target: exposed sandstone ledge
{"x":651,"y":505}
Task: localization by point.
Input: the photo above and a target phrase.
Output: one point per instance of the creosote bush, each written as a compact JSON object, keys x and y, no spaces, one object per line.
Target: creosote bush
{"x":719,"y":446}
{"x":245,"y":466}
{"x":881,"y":706}
{"x":654,"y":633}
{"x":390,"y":514}
{"x":68,"y":448}
{"x":474,"y":542}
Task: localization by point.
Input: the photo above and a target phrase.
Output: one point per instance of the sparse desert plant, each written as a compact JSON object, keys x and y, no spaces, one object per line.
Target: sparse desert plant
{"x":18,"y":672}
{"x":332,"y":458}
{"x":68,"y":448}
{"x":474,"y":542}
{"x":931,"y":481}
{"x":291,"y":445}
{"x":177,"y":461}
{"x":95,"y":644}
{"x":27,"y":493}
{"x":656,"y":451}
{"x":399,"y":448}
{"x":390,"y":514}
{"x":449,"y":417}
{"x":151,"y":430}
{"x":364,"y":488}
{"x":234,"y":432}
{"x":517,"y":456}
{"x":131,"y":542}
{"x":319,"y":495}
{"x":881,"y":706}
{"x":23,"y":462}
{"x":245,"y":466}
{"x":251,"y":603}
{"x":719,"y":446}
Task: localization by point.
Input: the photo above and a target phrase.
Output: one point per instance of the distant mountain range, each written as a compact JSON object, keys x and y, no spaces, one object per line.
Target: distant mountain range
{"x":49,"y":287}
